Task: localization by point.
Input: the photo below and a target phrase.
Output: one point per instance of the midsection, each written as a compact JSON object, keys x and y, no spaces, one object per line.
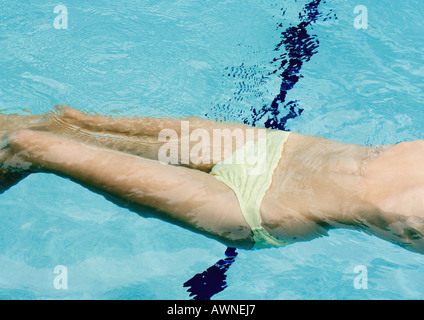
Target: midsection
{"x":318,"y":183}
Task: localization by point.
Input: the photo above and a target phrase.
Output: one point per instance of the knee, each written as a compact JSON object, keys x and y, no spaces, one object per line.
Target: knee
{"x":71,"y":113}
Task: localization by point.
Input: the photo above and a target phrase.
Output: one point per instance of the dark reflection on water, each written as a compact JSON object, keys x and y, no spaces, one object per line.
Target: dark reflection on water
{"x":213,"y":280}
{"x":297,"y":46}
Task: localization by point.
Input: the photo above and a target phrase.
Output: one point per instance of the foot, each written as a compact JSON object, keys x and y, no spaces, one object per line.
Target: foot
{"x":13,"y":122}
{"x":12,"y":168}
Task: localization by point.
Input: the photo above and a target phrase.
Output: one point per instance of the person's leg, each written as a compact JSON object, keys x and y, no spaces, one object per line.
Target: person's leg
{"x":199,"y":143}
{"x":8,"y":124}
{"x":14,"y":122}
{"x":187,"y":197}
{"x":192,"y":198}
{"x":150,"y":137}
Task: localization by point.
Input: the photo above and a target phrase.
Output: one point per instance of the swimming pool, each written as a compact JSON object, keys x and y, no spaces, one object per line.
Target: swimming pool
{"x":304,"y":66}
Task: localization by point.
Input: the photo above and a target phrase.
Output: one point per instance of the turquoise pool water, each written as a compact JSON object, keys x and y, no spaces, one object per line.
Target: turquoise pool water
{"x":300,"y":65}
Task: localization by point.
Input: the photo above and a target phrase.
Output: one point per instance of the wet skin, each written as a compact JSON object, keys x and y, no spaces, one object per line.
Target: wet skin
{"x":319,"y":184}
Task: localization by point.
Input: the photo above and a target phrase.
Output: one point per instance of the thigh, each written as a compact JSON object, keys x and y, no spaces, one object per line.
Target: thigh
{"x":192,"y":142}
{"x":184,"y":196}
